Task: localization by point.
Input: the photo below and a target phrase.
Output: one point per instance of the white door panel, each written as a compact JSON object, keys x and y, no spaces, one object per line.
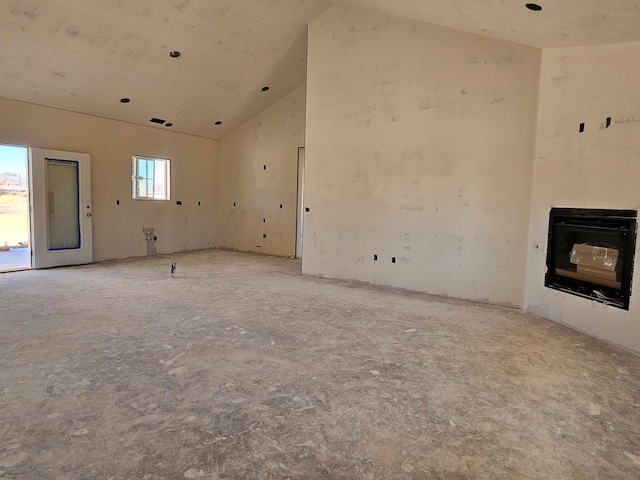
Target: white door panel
{"x":61,"y":208}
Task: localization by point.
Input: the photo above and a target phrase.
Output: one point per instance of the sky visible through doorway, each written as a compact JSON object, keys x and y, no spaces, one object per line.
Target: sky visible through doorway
{"x":13,"y":160}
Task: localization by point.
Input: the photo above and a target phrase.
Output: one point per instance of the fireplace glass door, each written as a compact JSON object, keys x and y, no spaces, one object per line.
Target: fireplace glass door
{"x":591,"y":253}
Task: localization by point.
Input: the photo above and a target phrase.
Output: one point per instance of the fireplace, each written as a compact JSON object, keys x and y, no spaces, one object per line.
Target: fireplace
{"x":591,"y":253}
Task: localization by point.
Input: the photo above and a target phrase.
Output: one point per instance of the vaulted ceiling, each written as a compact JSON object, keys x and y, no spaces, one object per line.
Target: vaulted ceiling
{"x":86,"y":55}
{"x":560,"y":23}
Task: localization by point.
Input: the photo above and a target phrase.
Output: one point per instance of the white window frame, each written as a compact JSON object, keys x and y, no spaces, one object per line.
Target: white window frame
{"x":152,"y":183}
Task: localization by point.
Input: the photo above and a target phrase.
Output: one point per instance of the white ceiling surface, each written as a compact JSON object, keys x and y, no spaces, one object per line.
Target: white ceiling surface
{"x":84,"y":55}
{"x":560,"y":23}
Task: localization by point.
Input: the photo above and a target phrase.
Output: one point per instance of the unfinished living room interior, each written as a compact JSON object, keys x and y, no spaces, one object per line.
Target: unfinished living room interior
{"x":316,"y":239}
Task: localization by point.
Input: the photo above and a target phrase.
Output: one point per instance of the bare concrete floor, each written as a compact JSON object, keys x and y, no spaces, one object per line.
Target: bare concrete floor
{"x":240,"y":368}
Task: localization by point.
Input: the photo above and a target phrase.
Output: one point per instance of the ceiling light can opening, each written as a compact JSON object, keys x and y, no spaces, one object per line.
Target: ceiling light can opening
{"x":533,"y":6}
{"x":174,"y":54}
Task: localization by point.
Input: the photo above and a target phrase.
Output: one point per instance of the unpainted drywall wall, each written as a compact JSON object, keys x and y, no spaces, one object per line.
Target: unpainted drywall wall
{"x":258,"y":179}
{"x":598,"y":168}
{"x":117,"y":229}
{"x":419,"y":146}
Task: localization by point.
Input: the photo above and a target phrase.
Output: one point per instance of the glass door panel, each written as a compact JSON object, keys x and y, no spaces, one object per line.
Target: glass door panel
{"x":63,"y":204}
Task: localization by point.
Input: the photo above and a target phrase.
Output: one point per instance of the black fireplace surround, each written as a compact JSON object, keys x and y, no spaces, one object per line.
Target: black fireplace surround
{"x":591,"y":253}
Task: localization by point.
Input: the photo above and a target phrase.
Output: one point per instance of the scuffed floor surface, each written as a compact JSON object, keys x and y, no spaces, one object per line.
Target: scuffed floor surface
{"x":240,"y":368}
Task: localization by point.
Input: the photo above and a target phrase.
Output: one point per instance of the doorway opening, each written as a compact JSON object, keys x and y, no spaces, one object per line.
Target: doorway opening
{"x":300,"y":210}
{"x":15,"y":249}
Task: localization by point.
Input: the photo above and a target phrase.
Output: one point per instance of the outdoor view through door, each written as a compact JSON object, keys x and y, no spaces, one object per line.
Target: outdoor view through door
{"x":14,"y":209}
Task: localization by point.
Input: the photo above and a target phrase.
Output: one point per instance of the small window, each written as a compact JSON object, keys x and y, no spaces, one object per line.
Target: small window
{"x":150,"y":178}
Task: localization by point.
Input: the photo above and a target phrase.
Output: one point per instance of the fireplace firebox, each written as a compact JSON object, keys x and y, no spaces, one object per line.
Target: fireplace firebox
{"x":591,"y":253}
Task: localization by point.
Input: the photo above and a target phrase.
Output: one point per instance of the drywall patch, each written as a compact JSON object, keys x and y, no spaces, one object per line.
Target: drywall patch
{"x":628,"y":120}
{"x":20,"y":11}
{"x":182,"y":5}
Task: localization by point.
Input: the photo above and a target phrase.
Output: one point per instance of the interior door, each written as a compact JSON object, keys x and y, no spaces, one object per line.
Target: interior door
{"x":60,"y":208}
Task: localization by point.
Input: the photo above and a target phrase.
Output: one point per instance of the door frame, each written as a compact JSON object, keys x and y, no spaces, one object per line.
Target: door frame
{"x":300,"y":209}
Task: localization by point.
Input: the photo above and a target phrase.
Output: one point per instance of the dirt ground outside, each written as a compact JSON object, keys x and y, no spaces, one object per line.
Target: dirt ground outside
{"x":14,"y":219}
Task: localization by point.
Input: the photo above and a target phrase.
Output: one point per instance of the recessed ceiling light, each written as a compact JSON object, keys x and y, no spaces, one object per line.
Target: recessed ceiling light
{"x":265,"y":89}
{"x":125,"y":100}
{"x":168,"y":124}
{"x":174,"y":54}
{"x":533,"y":6}
{"x":218,"y":122}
